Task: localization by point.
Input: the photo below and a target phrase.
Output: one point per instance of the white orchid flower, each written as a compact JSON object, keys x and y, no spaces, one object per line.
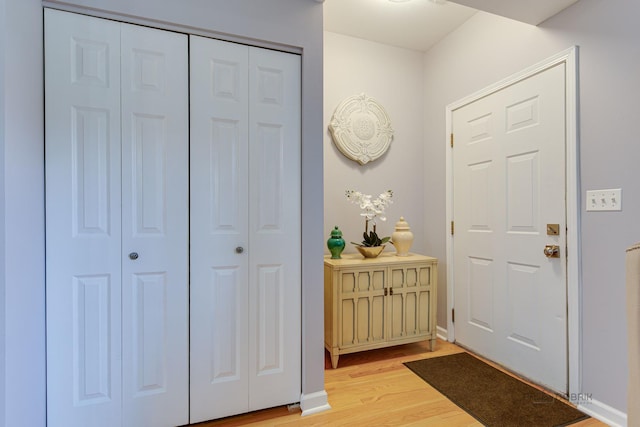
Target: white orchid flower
{"x":371,"y":209}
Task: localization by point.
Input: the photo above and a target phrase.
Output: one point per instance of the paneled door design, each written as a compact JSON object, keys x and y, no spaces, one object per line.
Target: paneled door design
{"x":117,"y":223}
{"x":510,"y":227}
{"x":245,"y":229}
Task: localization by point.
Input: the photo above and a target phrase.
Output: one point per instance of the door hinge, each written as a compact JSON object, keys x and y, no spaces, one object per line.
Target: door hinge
{"x":452,"y":228}
{"x":453,"y":315}
{"x":451,"y":140}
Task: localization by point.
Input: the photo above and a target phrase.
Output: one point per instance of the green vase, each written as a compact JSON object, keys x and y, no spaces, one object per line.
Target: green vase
{"x":335,"y":243}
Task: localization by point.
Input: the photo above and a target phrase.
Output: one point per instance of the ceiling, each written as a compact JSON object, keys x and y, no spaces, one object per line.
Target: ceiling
{"x":419,"y":24}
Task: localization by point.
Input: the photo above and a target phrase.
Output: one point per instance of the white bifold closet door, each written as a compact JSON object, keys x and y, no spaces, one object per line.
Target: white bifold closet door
{"x":245,"y":229}
{"x":116,"y":158}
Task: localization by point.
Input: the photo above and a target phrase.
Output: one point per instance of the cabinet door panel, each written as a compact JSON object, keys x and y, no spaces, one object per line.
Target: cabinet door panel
{"x":409,"y":308}
{"x":364,"y":320}
{"x":424,"y":321}
{"x":348,"y":322}
{"x":377,"y":319}
{"x":398,"y":315}
{"x":363,"y":306}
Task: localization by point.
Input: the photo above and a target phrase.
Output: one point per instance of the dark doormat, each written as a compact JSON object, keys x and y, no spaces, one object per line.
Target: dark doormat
{"x":494,"y":398}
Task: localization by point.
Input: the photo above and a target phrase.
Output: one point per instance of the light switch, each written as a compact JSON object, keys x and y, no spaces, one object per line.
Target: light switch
{"x":604,"y":200}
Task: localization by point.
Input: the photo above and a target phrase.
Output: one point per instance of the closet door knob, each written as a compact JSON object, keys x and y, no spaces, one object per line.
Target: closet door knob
{"x":133,"y":256}
{"x":239,"y":249}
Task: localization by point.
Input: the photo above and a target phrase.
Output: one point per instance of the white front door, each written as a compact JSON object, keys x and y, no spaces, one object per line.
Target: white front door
{"x":116,"y":156}
{"x":245,"y":229}
{"x":508,"y":197}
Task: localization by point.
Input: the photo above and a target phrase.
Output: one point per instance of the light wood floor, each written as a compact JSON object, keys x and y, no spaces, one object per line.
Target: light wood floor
{"x":374,"y":388}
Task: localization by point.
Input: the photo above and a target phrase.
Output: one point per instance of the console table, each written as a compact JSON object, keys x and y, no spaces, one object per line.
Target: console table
{"x":378,"y":302}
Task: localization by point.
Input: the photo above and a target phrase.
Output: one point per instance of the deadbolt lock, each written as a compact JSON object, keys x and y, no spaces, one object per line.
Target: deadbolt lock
{"x":553,"y":229}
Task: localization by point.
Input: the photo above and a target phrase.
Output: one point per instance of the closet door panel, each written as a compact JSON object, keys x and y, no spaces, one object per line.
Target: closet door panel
{"x":219,"y":229}
{"x":117,"y":180}
{"x":82,"y":155}
{"x":275,"y":228}
{"x":155,"y":141}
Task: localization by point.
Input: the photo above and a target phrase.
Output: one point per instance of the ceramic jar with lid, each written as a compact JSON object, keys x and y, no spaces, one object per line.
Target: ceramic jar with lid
{"x":402,"y":238}
{"x":336,"y":243}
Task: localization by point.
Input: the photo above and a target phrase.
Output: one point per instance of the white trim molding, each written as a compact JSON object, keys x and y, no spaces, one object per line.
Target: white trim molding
{"x":441,"y":333}
{"x":569,"y":58}
{"x":601,"y":411}
{"x":314,"y":403}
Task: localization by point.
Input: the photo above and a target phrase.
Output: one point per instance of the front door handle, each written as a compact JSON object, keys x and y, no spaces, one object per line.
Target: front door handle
{"x":552,"y":251}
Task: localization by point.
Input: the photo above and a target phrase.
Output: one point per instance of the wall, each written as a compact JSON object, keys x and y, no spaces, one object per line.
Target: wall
{"x":487,"y":49}
{"x":292,"y":25}
{"x":394,"y":77}
{"x":3,"y":281}
{"x":22,"y":231}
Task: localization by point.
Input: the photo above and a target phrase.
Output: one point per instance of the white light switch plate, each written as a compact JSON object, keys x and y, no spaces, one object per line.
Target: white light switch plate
{"x":604,"y":200}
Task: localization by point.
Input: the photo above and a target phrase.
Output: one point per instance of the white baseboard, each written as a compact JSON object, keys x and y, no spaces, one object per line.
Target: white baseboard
{"x":442,"y":333}
{"x":314,"y":403}
{"x":594,"y":408}
{"x":603,"y":412}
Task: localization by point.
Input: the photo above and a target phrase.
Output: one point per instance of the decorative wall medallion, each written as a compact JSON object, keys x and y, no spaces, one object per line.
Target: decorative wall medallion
{"x":361,"y":129}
